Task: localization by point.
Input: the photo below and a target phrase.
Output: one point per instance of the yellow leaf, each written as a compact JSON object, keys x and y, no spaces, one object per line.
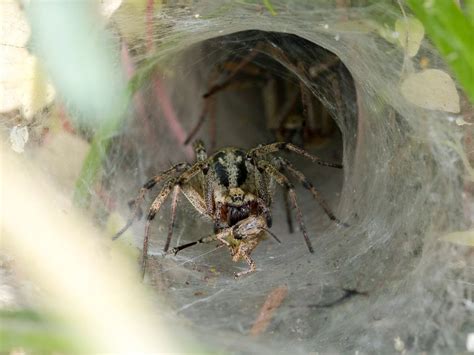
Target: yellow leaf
{"x":461,"y":237}
{"x":432,"y":89}
{"x":410,"y":34}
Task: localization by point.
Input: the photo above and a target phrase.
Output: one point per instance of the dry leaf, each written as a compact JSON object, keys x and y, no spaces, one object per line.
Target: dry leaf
{"x":432,"y":89}
{"x":410,"y":34}
{"x":18,"y":138}
{"x":460,"y":122}
{"x":23,"y":84}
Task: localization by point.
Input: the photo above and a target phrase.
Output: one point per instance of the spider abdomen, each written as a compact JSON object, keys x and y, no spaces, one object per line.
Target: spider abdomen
{"x":229,"y":167}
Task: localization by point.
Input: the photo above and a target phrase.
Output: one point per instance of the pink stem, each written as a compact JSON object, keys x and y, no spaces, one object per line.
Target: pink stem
{"x":149,"y":25}
{"x":171,"y":118}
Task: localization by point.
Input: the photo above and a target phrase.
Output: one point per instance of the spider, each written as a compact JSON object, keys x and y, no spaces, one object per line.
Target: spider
{"x":233,"y":188}
{"x":293,"y":114}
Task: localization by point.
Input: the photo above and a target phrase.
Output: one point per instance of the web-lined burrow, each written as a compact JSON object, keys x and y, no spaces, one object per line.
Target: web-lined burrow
{"x":251,"y":88}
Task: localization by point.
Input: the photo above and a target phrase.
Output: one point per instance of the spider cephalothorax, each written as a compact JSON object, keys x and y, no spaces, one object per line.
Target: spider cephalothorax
{"x":233,"y":188}
{"x":236,"y":206}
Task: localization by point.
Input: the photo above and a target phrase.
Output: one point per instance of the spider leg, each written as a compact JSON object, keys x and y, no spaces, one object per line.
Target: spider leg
{"x":223,"y":84}
{"x":289,"y":219}
{"x":202,"y":166}
{"x":321,"y":67}
{"x":190,"y":193}
{"x":265,"y":211}
{"x":202,"y":118}
{"x":283,"y":181}
{"x":305,"y":93}
{"x":212,"y":123}
{"x":155,"y":206}
{"x":276,"y":53}
{"x":160,"y":199}
{"x":200,"y":150}
{"x":198,"y":203}
{"x":174,"y":204}
{"x":263,"y":188}
{"x":209,"y":102}
{"x":263,"y":150}
{"x":286,"y":109}
{"x":314,"y":191}
{"x":201,"y":156}
{"x":196,"y":200}
{"x":141,"y":195}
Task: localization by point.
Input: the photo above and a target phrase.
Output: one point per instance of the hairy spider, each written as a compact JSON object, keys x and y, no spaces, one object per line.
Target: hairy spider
{"x":292,"y":112}
{"x":233,"y":188}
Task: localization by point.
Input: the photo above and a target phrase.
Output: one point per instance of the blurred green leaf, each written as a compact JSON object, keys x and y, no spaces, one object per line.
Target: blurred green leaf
{"x":81,"y":58}
{"x":37,"y":333}
{"x":452,"y":32}
{"x":93,"y":161}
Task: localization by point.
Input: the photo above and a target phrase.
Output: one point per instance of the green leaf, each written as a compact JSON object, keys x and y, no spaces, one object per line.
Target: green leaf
{"x":452,"y":32}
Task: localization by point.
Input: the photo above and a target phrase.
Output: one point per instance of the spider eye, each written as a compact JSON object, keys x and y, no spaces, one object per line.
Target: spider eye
{"x":237,"y":198}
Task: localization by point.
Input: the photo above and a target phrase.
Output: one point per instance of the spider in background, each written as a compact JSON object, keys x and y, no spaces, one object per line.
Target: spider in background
{"x":233,"y":188}
{"x":292,"y":112}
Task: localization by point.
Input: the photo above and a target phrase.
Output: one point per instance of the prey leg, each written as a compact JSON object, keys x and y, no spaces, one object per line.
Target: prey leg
{"x":244,"y":253}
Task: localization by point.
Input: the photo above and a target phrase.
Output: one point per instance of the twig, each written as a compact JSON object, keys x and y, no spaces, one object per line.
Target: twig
{"x":273,"y":301}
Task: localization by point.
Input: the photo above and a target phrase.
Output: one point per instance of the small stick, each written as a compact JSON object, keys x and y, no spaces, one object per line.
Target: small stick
{"x":273,"y":301}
